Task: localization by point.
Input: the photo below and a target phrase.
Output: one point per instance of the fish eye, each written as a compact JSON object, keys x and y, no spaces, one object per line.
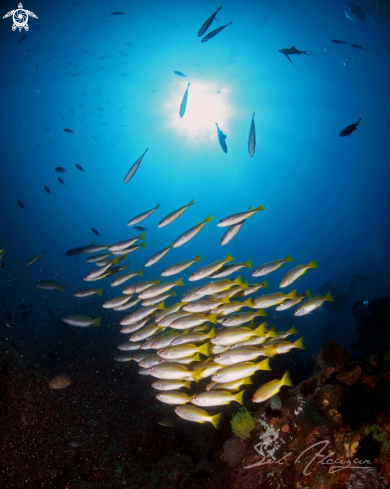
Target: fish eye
{"x":218,"y":356}
{"x":177,"y":409}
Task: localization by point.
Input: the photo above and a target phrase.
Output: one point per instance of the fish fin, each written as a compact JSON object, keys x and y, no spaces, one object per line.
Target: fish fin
{"x":286,"y":380}
{"x":239,"y":397}
{"x":123,"y":257}
{"x":191,"y":203}
{"x":211,"y":333}
{"x":158,"y":205}
{"x":196,"y":358}
{"x":99,"y":292}
{"x":126,"y":267}
{"x":187,"y":384}
{"x":140,"y":273}
{"x":204,"y":349}
{"x":248,"y":264}
{"x":208,"y":219}
{"x":265,"y":284}
{"x":179,"y":281}
{"x":61,"y":288}
{"x":313,"y":264}
{"x":264,"y":365}
{"x":228,"y":258}
{"x":141,"y":236}
{"x":248,"y":303}
{"x":143,"y":245}
{"x":261,"y":312}
{"x":307,"y":294}
{"x":96,"y":321}
{"x":116,"y":260}
{"x":173,"y":294}
{"x":329,"y":297}
{"x":198,"y":258}
{"x":226,"y":299}
{"x":216,"y":420}
{"x":212,"y":318}
{"x":260,"y":208}
{"x":238,"y":281}
{"x":158,"y":281}
{"x":268,"y":351}
{"x":292,"y":295}
{"x":197,"y":374}
{"x":291,"y":331}
{"x":250,"y":208}
{"x":272,"y":332}
{"x":260,"y":330}
{"x":161,"y":305}
{"x":299,"y":344}
{"x":288,"y":258}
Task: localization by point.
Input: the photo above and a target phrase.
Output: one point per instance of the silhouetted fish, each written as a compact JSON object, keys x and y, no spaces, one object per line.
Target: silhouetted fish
{"x":68,"y":130}
{"x":336,"y":41}
{"x":222,"y":137}
{"x":349,"y":129}
{"x":59,"y":169}
{"x":95,"y":231}
{"x":79,"y":167}
{"x":359,"y":47}
{"x":140,"y":228}
{"x":22,"y":38}
{"x":183,"y":104}
{"x":20,"y":204}
{"x":208,"y":22}
{"x":293,"y":50}
{"x":118,"y":13}
{"x":179,"y":73}
{"x":60,"y":180}
{"x":215,"y":32}
{"x":47,"y":190}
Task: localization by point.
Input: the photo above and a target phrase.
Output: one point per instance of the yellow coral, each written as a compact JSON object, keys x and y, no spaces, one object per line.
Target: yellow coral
{"x":243,"y":423}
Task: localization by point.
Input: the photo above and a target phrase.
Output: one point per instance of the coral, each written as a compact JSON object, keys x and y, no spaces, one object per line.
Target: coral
{"x":383,"y":438}
{"x":233,"y":452}
{"x":367,"y":479}
{"x":335,"y":355}
{"x":350,"y":378}
{"x":276,"y":402}
{"x":243,"y":423}
{"x":269,"y":439}
{"x":313,"y":416}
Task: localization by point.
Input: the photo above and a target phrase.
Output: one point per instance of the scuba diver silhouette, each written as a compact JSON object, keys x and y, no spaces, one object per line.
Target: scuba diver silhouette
{"x":340,"y":297}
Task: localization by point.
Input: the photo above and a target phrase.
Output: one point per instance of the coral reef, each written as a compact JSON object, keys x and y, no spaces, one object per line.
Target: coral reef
{"x":243,"y":423}
{"x":233,"y":452}
{"x":335,"y":355}
{"x":365,"y":480}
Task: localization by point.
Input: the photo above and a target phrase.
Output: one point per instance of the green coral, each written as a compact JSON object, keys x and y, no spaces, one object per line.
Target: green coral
{"x":383,"y":438}
{"x":243,"y":423}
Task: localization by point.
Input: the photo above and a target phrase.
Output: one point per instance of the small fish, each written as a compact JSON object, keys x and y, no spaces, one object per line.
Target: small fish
{"x":140,"y":228}
{"x":222,"y":137}
{"x":231,"y":232}
{"x":295,"y":273}
{"x":312,"y":304}
{"x":47,"y":190}
{"x":59,"y":169}
{"x":287,"y":52}
{"x":208,"y":270}
{"x":252,"y":137}
{"x":282,"y":347}
{"x":270,"y":267}
{"x":215,"y":32}
{"x":190,"y":233}
{"x":240,"y":216}
{"x":134,"y":168}
{"x":266,"y":391}
{"x":157,"y":256}
{"x":36,"y":258}
{"x":217,"y":398}
{"x":49,"y":285}
{"x":82,"y":321}
{"x":88,"y":292}
{"x":179,"y":267}
{"x":95,"y":231}
{"x":336,"y":41}
{"x":60,"y":381}
{"x":22,"y":38}
{"x":192,"y":413}
{"x":142,"y":216}
{"x":183,"y":104}
{"x":239,"y":371}
{"x":79,"y":167}
{"x":349,"y":129}
{"x":227,"y":270}
{"x":293,"y":302}
{"x":60,"y":180}
{"x":126,"y":243}
{"x":172,"y":216}
{"x":208,"y":22}
{"x":20,"y":204}
{"x":69,"y":130}
{"x":124,"y":277}
{"x":118,"y":13}
{"x":179,"y":73}
{"x":116,"y":301}
{"x":173,"y":397}
{"x":359,"y":47}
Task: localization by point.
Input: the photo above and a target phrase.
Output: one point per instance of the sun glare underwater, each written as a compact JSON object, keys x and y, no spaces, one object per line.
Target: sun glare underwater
{"x":194,"y":244}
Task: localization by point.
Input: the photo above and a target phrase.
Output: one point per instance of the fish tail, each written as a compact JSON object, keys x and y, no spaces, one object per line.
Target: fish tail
{"x":61,"y":288}
{"x":197,"y":375}
{"x":191,"y":203}
{"x":99,"y":292}
{"x":173,"y":293}
{"x":292,"y":295}
{"x":248,"y":303}
{"x":158,"y":281}
{"x":264,"y":364}
{"x":161,"y":305}
{"x":260,"y":208}
{"x":288,"y":258}
{"x":124,"y":256}
{"x":265,"y":284}
{"x":158,"y":205}
{"x":143,"y":245}
{"x":141,"y":236}
{"x":248,"y":264}
{"x":212,"y":318}
{"x":187,"y":384}
{"x":96,"y":321}
{"x":292,"y":331}
{"x":226,"y":299}
{"x":208,"y":219}
{"x":260,"y":330}
{"x":116,"y":260}
{"x":286,"y":380}
{"x":307,"y":294}
{"x":211,"y":333}
{"x":141,"y":273}
{"x":216,"y":420}
{"x":238,"y":281}
{"x":313,"y":264}
{"x":272,"y":332}
{"x":299,"y":344}
{"x":204,"y":349}
{"x":261,"y":312}
{"x":329,"y":297}
{"x":247,"y":381}
{"x":228,"y":258}
{"x":179,"y":282}
{"x":198,"y":258}
{"x":239,"y":397}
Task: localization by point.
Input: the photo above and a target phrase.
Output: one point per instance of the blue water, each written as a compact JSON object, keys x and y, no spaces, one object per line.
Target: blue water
{"x":326,"y":197}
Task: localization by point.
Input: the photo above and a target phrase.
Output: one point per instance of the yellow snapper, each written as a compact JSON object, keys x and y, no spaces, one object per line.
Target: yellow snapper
{"x":190,"y":233}
{"x":142,"y":216}
{"x":216,"y":398}
{"x":191,"y":321}
{"x":293,"y":302}
{"x":126,"y":243}
{"x":271,"y":388}
{"x":173,"y":397}
{"x":295,"y":273}
{"x":241,"y":318}
{"x":173,"y":371}
{"x":312,"y":304}
{"x":270,"y":267}
{"x":239,"y":371}
{"x":234,"y":335}
{"x":157,"y":256}
{"x":229,"y":386}
{"x":49,"y":285}
{"x":238,"y":355}
{"x":193,"y":413}
{"x":116,"y":301}
{"x":240,"y":216}
{"x":182,"y":351}
{"x":209,"y":269}
{"x":124,"y":277}
{"x":270,"y":300}
{"x":185,"y":338}
{"x":227,"y":270}
{"x":88,"y":292}
{"x":170,"y":385}
{"x":139,"y":287}
{"x":282,"y":347}
{"x":172,"y":216}
{"x":159,"y":289}
{"x":140,"y":314}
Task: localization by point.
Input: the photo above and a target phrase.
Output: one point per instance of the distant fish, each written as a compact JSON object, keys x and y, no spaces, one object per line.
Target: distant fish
{"x":179,"y":73}
{"x":238,"y":217}
{"x":337,"y":41}
{"x":349,"y":129}
{"x":252,"y":137}
{"x":22,"y":38}
{"x":88,"y":292}
{"x":82,"y":321}
{"x":140,"y":228}
{"x":134,"y":168}
{"x":222,"y":137}
{"x":190,"y":233}
{"x":47,"y":190}
{"x":95,"y":231}
{"x":118,"y":13}
{"x":183,"y":104}
{"x":59,"y":169}
{"x":36,"y":258}
{"x":215,"y":32}
{"x":60,"y":180}
{"x":359,"y":47}
{"x":20,"y":204}
{"x":142,"y":216}
{"x":49,"y":285}
{"x":287,"y":52}
{"x":208,"y":22}
{"x":68,"y":130}
{"x":79,"y":167}
{"x":174,"y":215}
